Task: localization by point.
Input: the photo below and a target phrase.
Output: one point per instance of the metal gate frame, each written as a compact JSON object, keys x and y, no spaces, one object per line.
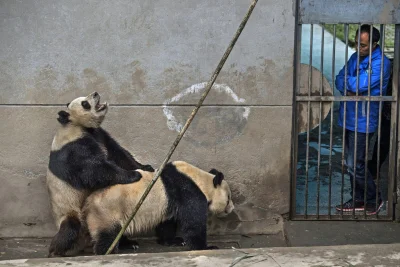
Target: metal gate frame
{"x":394,"y":166}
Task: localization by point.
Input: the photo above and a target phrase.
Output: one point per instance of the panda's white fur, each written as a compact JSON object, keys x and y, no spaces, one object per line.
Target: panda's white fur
{"x":83,"y":158}
{"x":183,"y":195}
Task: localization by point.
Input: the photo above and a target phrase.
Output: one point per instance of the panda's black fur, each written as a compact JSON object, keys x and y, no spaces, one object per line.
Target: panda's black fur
{"x":182,"y":197}
{"x":83,"y":164}
{"x":83,"y":158}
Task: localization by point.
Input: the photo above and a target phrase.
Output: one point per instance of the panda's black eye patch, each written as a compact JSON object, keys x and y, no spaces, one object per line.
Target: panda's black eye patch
{"x":85,"y":105}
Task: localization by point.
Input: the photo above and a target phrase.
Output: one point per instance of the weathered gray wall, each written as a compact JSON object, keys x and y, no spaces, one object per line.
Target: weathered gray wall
{"x":345,"y":11}
{"x":140,"y":55}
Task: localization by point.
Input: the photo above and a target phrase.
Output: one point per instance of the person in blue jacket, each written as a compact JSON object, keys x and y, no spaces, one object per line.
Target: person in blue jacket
{"x":359,"y":127}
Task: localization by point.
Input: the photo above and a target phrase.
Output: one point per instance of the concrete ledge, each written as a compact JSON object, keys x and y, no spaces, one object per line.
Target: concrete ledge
{"x":357,"y":255}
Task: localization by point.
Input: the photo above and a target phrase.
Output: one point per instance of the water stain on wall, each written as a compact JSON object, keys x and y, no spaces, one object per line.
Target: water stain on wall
{"x":139,"y":79}
{"x":134,"y":83}
{"x":44,"y":83}
{"x":48,"y":80}
{"x":49,"y":83}
{"x":258,"y":82}
{"x":94,"y":82}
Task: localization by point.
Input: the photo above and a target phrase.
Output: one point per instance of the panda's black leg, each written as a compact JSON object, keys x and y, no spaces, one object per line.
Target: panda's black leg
{"x":195,"y":239}
{"x":104,"y":240}
{"x":193,"y":223}
{"x":166,"y":234}
{"x":66,"y":238}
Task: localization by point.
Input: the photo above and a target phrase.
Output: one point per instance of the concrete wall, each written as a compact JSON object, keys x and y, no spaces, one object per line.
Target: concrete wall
{"x":140,"y":55}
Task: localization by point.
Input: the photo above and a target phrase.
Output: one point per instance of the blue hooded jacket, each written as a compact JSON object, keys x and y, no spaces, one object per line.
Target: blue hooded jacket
{"x":363,"y":90}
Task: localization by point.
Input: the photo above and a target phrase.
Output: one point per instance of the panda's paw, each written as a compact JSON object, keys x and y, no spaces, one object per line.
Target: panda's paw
{"x":178,"y":242}
{"x":126,"y":243}
{"x":135,"y":245}
{"x":55,"y":254}
{"x":212,"y":247}
{"x":136,"y":176}
{"x":148,"y":168}
{"x":174,"y":242}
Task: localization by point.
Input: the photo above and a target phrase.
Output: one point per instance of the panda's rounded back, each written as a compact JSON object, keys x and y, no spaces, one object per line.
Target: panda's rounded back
{"x":113,"y":206}
{"x":203,"y":179}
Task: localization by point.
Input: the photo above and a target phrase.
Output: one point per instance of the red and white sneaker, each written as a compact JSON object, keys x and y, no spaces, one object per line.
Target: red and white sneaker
{"x":373,"y":208}
{"x":348,"y":206}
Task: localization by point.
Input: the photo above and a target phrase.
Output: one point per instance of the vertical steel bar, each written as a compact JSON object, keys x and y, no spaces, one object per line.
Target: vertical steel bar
{"x":394,"y":118}
{"x":382,"y":38}
{"x":321,"y":92}
{"x":366,"y":172}
{"x":308,"y":119}
{"x":346,"y":33}
{"x":356,"y":121}
{"x":331,"y":125}
{"x":296,"y":84}
{"x":378,"y":142}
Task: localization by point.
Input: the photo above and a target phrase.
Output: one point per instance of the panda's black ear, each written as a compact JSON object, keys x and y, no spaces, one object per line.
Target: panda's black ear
{"x":219,"y":176}
{"x":63,"y":117}
{"x":214,"y":171}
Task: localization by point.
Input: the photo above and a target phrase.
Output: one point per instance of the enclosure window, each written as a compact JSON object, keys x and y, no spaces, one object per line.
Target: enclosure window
{"x":343,"y":87}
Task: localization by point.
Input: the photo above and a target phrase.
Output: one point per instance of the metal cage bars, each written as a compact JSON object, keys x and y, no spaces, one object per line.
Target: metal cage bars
{"x":365,"y":101}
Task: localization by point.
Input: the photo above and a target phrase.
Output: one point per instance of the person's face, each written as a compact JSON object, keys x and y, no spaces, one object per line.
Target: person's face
{"x":364,"y":44}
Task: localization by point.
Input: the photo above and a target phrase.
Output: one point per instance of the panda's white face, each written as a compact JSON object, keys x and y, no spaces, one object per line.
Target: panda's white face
{"x":221,"y":204}
{"x":87,"y":111}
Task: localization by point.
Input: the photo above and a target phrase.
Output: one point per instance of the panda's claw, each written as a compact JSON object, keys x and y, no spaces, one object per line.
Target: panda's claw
{"x":175,"y":242}
{"x":135,"y":247}
{"x":148,"y":168}
{"x":126,"y":243}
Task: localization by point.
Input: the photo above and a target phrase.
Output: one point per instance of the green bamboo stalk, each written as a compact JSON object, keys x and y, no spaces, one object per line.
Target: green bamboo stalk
{"x":182,"y":132}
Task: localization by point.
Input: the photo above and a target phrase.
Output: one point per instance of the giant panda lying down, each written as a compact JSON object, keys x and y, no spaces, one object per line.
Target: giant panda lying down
{"x":181,"y":197}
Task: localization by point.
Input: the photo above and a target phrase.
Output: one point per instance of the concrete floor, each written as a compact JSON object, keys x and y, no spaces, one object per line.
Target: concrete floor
{"x":295,"y":234}
{"x":19,"y":248}
{"x":353,"y":255}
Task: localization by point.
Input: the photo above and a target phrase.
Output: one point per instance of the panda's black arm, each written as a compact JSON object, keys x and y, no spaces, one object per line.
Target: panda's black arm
{"x":99,"y":173}
{"x":84,"y":165}
{"x":120,"y":155}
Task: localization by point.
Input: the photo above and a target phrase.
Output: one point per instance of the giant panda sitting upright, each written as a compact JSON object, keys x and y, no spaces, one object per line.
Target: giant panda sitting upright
{"x":181,"y":197}
{"x":83,"y":158}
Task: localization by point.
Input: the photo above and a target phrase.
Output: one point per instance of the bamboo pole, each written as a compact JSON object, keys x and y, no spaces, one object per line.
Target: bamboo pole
{"x":182,"y":132}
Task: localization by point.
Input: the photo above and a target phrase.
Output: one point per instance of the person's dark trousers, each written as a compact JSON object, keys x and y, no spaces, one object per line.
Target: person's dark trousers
{"x":384,"y":149}
{"x":360,"y":167}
